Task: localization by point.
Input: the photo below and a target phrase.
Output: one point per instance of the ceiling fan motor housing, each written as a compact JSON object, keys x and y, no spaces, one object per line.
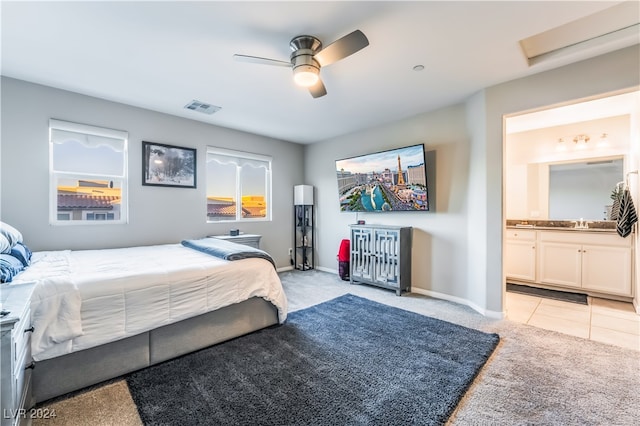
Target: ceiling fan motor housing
{"x":304,"y":47}
{"x":308,"y":56}
{"x":304,"y":62}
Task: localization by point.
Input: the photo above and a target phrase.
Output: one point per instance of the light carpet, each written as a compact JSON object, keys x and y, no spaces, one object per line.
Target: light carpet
{"x":534,"y":377}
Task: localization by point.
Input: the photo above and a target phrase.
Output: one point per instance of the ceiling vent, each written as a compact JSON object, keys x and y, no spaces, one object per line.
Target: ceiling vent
{"x":610,"y":29}
{"x":202,"y":107}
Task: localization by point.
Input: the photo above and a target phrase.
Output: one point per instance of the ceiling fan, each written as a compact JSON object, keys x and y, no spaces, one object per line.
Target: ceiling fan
{"x":308,"y":57}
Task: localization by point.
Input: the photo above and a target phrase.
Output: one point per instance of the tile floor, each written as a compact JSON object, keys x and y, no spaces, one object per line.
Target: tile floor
{"x":607,"y":321}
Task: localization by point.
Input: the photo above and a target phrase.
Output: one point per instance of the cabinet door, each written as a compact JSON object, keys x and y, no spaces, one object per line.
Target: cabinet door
{"x":607,"y":269}
{"x":559,"y":264}
{"x":362,"y":261}
{"x":386,"y":257}
{"x":520,"y":260}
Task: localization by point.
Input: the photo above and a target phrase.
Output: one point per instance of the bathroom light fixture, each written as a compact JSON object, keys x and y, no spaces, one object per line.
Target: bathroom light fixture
{"x":581,"y":139}
{"x":604,"y":141}
{"x":561,"y":145}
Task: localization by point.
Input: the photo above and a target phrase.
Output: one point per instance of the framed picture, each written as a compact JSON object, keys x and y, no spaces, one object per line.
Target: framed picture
{"x":168,"y":165}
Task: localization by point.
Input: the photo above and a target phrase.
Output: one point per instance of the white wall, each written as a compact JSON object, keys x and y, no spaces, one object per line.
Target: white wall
{"x":156,"y":214}
{"x":458,"y":245}
{"x":529,"y":153}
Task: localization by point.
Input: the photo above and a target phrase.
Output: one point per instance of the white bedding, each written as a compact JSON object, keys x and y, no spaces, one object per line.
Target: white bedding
{"x":90,"y":297}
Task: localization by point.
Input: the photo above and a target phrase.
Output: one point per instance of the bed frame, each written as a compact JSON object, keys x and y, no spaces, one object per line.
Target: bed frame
{"x":58,"y":376}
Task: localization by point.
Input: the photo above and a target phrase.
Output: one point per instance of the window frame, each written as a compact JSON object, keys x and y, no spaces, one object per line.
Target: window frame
{"x":248,"y":156}
{"x":56,"y":175}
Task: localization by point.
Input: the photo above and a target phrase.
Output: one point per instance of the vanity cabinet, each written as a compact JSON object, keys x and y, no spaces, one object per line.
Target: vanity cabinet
{"x":560,"y":263}
{"x":520,"y":254}
{"x":607,"y":269}
{"x":589,"y":261}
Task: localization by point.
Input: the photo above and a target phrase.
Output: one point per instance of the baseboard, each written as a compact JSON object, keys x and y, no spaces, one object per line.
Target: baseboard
{"x":319,"y":268}
{"x":484,"y":312}
{"x":329,"y":270}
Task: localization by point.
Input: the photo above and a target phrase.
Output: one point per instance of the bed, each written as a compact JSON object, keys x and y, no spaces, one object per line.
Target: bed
{"x":99,"y":314}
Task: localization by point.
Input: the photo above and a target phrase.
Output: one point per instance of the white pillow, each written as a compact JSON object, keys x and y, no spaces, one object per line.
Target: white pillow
{"x":10,"y":233}
{"x":5,"y":245}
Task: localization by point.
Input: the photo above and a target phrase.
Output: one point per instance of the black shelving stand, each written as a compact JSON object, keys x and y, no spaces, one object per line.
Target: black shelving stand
{"x":304,"y":235}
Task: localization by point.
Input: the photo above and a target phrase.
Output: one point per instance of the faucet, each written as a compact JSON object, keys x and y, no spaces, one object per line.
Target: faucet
{"x":581,"y":224}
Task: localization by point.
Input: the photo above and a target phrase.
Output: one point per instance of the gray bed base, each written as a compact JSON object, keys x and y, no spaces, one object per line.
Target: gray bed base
{"x":58,"y":376}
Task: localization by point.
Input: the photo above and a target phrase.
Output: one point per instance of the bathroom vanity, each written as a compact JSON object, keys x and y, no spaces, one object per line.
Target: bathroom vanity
{"x":595,"y":261}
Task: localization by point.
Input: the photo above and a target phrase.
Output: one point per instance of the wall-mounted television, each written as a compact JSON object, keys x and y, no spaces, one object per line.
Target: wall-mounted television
{"x":385,"y":181}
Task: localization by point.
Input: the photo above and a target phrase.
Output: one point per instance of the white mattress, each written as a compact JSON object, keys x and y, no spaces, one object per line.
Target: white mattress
{"x":91,"y":297}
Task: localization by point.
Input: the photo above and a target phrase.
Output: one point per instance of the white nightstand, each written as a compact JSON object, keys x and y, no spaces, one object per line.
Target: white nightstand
{"x":251,"y":240}
{"x":15,"y":353}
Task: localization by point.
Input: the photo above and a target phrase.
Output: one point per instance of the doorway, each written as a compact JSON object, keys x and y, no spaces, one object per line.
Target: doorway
{"x":599,"y":133}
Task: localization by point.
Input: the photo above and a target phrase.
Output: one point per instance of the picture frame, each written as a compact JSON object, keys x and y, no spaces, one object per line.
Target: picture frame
{"x":168,"y":165}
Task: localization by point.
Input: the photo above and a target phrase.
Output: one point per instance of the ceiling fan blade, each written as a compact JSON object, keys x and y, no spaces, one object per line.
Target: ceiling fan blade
{"x":262,"y":61}
{"x":318,"y":89}
{"x":341,"y":48}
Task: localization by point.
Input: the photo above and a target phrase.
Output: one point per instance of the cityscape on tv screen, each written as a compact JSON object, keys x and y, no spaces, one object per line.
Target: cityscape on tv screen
{"x":393,"y":180}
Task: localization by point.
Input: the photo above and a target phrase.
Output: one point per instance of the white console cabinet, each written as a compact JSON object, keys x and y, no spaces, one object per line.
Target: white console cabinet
{"x":381,"y":256}
{"x":15,"y":354}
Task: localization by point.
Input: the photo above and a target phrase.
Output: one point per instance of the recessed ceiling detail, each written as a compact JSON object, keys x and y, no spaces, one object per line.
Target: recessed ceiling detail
{"x":617,"y":26}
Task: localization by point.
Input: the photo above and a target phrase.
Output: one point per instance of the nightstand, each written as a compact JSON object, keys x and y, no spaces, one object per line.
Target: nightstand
{"x":15,"y":353}
{"x":251,"y":240}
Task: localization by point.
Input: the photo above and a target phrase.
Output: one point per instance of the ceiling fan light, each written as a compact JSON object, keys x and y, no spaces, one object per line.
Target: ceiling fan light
{"x":305,"y":75}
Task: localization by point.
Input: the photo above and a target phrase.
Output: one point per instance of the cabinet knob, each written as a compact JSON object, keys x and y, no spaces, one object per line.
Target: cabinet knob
{"x":31,"y":365}
{"x":30,"y":329}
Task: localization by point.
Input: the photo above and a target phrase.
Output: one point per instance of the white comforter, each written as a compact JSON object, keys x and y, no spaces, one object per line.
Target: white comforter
{"x":91,"y":297}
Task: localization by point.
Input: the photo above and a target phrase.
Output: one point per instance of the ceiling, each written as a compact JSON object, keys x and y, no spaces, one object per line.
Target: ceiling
{"x":162,"y":55}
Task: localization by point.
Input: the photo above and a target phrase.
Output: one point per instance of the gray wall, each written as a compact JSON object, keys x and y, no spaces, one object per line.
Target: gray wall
{"x":616,"y":71}
{"x":156,"y":214}
{"x":458,"y":246}
{"x":439,"y":237}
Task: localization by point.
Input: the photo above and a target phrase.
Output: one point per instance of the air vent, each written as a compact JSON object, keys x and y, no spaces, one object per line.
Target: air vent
{"x":202,"y":107}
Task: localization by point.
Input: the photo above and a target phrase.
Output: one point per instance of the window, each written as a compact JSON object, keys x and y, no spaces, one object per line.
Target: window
{"x":88,"y":181}
{"x":233,"y":176}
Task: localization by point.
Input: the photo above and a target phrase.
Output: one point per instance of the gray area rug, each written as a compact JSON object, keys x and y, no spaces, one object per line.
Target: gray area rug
{"x":349,"y":360}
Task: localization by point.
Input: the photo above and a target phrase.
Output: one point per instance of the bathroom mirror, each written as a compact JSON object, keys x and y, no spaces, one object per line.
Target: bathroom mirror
{"x":583,"y":189}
